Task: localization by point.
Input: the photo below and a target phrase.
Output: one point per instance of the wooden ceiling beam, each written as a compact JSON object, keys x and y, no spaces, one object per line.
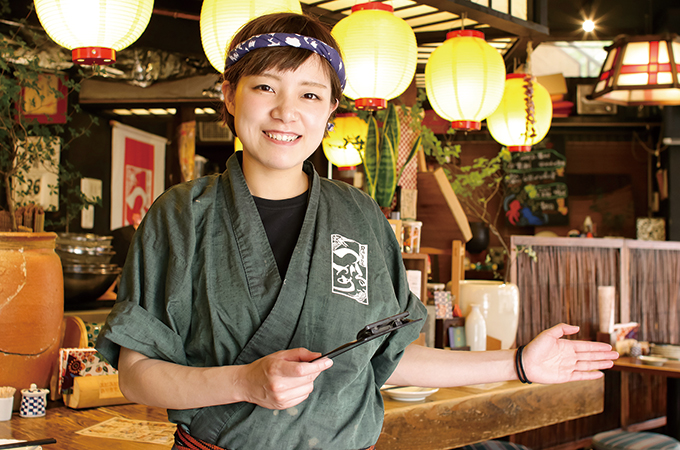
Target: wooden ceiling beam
{"x":495,"y":19}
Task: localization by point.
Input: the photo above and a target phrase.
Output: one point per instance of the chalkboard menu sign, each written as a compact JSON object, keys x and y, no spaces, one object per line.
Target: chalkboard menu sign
{"x":536,"y":188}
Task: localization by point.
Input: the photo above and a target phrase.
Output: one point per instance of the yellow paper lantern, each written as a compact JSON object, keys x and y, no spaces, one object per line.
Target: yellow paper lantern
{"x":642,"y":70}
{"x":221,"y":19}
{"x":464,"y":79}
{"x":508,"y":124}
{"x":94,"y":30}
{"x":380,"y":54}
{"x":338,"y":145}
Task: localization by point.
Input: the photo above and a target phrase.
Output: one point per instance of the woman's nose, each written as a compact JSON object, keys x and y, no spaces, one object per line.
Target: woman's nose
{"x":285,"y":110}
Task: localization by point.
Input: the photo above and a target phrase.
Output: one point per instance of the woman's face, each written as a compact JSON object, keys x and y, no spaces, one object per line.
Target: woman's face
{"x":281,"y":116}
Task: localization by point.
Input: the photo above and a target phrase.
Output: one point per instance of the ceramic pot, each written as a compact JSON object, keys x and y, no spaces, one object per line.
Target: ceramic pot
{"x":31,"y":309}
{"x":499,"y":304}
{"x":480,"y":238}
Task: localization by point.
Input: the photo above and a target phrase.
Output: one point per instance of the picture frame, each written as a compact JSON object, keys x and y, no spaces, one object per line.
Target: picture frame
{"x":51,"y":109}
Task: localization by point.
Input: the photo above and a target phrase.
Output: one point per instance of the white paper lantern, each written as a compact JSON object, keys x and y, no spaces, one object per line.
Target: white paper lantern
{"x":464,"y":79}
{"x":221,"y":19}
{"x":380,"y":54}
{"x":94,"y":30}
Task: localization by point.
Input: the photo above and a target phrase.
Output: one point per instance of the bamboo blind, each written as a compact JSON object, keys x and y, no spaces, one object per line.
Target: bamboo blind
{"x":655,"y":288}
{"x":561,"y":286}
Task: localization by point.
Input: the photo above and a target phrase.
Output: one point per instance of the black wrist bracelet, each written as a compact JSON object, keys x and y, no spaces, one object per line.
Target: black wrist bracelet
{"x":519,"y":367}
{"x":519,"y":375}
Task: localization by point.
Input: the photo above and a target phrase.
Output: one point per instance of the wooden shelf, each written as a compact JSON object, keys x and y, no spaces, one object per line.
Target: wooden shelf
{"x":418,"y":261}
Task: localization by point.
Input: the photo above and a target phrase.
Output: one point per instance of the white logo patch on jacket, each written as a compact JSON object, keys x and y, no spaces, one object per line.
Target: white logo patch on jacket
{"x":350,"y":268}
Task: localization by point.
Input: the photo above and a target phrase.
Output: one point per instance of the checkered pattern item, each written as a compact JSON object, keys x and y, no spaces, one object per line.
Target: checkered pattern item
{"x":627,"y":440}
{"x":442,"y":304}
{"x":495,"y":445}
{"x":32,"y":406}
{"x":409,"y":178}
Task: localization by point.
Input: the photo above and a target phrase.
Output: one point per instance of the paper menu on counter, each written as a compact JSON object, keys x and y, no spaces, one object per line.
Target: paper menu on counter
{"x":133,"y":430}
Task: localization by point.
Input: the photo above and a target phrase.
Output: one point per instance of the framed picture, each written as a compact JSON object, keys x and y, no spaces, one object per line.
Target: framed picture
{"x":137,"y":173}
{"x":47,"y":104}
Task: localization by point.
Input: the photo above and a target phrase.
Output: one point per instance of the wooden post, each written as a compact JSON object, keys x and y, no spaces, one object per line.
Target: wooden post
{"x":457,"y":270}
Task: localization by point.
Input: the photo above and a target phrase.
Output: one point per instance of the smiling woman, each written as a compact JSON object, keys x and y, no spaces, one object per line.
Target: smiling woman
{"x":237,"y":332}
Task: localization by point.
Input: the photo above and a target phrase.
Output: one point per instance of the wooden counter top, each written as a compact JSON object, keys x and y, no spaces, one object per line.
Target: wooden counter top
{"x":459,"y":416}
{"x":449,"y":418}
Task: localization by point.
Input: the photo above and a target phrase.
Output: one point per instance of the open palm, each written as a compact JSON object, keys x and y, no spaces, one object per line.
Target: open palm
{"x":550,"y":359}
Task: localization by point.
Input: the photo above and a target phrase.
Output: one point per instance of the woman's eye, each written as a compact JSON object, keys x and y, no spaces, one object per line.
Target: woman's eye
{"x":311,"y":96}
{"x":264,"y":87}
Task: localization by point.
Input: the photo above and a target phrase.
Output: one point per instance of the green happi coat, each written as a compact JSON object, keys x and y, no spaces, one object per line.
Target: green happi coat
{"x":201,"y":288}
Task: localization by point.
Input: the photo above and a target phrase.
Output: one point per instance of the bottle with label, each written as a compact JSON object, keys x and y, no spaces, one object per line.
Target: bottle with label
{"x":475,"y":329}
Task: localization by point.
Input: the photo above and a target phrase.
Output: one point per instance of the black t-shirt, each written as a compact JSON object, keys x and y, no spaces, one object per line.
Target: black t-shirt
{"x":282,"y":221}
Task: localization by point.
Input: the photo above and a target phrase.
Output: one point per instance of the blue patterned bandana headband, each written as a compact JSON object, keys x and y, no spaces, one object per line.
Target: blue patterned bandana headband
{"x":290,"y":40}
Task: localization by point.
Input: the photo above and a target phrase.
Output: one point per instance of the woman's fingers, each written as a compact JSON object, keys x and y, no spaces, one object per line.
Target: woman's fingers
{"x":590,"y":346}
{"x":597,"y":355}
{"x":285,"y":378}
{"x":587,"y":366}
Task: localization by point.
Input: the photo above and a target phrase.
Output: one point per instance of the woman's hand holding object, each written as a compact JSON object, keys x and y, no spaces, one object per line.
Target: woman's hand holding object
{"x":283,"y":379}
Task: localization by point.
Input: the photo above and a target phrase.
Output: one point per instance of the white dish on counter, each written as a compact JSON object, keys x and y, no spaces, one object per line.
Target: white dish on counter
{"x":409,"y":393}
{"x":652,"y":360}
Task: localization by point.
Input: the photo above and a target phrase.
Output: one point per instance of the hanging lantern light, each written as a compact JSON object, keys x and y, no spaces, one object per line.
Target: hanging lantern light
{"x":94,"y":30}
{"x":524,"y":115}
{"x":380,"y":54}
{"x":639,"y":71}
{"x":221,"y":19}
{"x":464,"y":79}
{"x":339,"y":146}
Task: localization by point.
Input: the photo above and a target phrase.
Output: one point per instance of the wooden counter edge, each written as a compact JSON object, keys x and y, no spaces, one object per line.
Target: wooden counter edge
{"x":459,"y":416}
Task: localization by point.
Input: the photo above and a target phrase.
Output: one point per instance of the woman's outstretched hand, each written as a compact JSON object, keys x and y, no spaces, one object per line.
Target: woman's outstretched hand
{"x":549,"y":359}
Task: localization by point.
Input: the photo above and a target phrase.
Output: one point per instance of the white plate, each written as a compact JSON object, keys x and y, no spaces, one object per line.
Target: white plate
{"x":410,"y":393}
{"x":12,"y":441}
{"x":652,"y":360}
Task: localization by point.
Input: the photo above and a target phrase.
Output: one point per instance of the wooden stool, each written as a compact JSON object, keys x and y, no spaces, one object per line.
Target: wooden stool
{"x":634,"y":440}
{"x":494,"y":445}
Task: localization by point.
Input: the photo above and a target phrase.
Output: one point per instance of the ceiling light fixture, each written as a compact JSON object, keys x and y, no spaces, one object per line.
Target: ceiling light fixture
{"x":94,"y":30}
{"x":588,"y":26}
{"x":641,"y":70}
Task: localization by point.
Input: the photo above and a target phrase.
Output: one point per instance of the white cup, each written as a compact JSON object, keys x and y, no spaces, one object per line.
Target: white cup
{"x":6,"y":404}
{"x":606,"y":299}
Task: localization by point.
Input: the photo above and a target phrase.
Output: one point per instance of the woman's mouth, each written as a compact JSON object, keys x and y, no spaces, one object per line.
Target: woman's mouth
{"x":281,"y":137}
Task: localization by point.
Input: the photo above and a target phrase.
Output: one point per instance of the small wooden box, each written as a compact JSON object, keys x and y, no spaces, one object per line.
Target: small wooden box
{"x":441,"y":330}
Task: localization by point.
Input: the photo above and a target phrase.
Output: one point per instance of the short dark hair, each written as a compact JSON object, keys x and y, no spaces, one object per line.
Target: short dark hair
{"x":279,"y":58}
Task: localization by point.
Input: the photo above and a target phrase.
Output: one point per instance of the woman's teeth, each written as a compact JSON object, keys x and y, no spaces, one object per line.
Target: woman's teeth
{"x":282,"y":137}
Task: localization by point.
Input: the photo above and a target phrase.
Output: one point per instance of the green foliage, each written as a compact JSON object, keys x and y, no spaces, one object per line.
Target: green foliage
{"x":24,"y":142}
{"x":379,"y":152}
